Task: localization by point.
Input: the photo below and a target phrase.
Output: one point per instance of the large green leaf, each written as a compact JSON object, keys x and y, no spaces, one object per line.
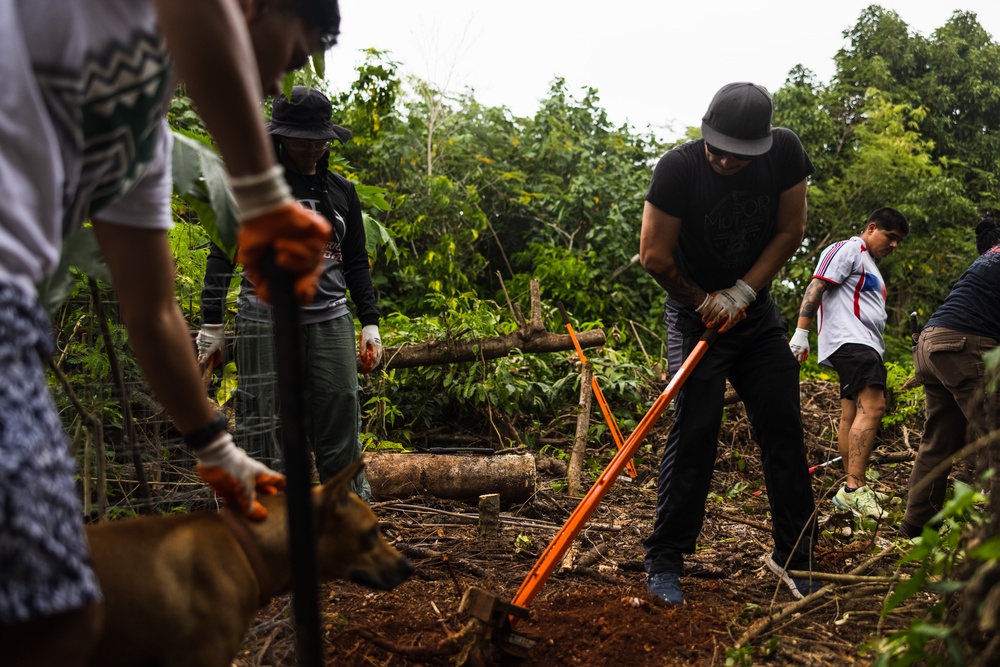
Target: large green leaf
{"x":200,"y":180}
{"x":80,"y":251}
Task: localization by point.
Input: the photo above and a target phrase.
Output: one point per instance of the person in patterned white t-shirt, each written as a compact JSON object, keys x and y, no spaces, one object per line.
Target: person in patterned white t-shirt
{"x":83,"y":137}
{"x":847,"y":297}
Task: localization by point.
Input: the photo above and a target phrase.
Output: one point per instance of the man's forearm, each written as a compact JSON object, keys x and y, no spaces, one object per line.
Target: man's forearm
{"x":678,"y":286}
{"x":774,"y":257}
{"x":790,"y":228}
{"x":810,"y":303}
{"x":213,"y":55}
{"x":162,"y":344}
{"x":142,"y":267}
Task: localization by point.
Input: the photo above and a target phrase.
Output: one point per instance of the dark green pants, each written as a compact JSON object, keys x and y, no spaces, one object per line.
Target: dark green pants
{"x":331,"y":387}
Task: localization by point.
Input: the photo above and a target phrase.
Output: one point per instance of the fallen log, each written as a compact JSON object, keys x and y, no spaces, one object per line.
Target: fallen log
{"x":393,"y":475}
{"x":438,"y":352}
{"x":530,"y":338}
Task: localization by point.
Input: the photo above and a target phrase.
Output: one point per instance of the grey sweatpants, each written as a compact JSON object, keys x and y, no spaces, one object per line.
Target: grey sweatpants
{"x":331,"y":387}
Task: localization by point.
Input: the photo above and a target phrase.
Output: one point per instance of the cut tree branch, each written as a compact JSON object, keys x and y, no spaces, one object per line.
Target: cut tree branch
{"x":531,"y":338}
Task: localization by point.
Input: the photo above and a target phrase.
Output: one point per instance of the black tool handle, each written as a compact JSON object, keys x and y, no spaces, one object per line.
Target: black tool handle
{"x":463,"y":451}
{"x":291,"y":396}
{"x":711,"y":335}
{"x":562,"y":311}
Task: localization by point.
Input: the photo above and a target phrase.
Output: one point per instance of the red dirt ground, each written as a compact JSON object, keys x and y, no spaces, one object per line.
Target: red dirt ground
{"x":597,"y":612}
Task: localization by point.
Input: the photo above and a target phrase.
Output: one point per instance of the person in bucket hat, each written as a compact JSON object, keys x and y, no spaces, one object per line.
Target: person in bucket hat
{"x":303,"y":134}
{"x":722,"y":216}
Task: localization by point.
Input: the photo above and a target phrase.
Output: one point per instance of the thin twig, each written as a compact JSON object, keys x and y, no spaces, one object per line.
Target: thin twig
{"x":639,"y":341}
{"x":516,"y":312}
{"x":128,"y":425}
{"x":843,"y":578}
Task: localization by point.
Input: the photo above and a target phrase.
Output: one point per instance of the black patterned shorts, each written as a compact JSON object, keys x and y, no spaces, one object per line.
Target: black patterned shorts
{"x":44,"y":561}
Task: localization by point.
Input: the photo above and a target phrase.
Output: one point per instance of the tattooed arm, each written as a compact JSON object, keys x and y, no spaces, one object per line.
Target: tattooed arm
{"x":799,"y":343}
{"x":657,"y":243}
{"x":810,"y":302}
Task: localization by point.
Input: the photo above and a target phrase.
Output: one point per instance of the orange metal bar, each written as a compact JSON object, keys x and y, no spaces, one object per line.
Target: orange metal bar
{"x":612,"y":425}
{"x":616,"y":433}
{"x":572,"y":337}
{"x":560,"y":544}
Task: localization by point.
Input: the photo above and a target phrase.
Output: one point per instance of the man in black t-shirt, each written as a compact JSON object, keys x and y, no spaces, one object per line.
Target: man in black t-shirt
{"x":722,"y":216}
{"x":948,"y":361}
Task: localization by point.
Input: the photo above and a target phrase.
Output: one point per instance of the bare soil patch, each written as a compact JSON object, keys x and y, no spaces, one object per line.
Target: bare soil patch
{"x":597,"y":611}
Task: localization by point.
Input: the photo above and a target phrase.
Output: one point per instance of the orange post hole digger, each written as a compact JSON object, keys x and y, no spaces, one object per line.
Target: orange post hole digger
{"x":599,"y":395}
{"x":503,"y":616}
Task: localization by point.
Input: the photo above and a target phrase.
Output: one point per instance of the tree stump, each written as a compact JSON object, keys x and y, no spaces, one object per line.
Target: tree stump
{"x":489,"y":520}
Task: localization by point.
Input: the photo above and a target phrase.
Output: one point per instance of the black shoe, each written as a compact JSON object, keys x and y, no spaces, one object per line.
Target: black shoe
{"x":909,"y":531}
{"x":799,"y":587}
{"x":666,"y":586}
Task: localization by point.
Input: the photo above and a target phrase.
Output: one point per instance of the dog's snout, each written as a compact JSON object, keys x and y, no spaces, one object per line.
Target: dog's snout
{"x":406,"y":569}
{"x":384,"y":578}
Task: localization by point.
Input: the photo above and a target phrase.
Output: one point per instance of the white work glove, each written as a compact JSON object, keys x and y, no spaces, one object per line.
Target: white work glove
{"x":727,"y":307}
{"x":370,"y":348}
{"x":235,"y":476}
{"x":800,"y":344}
{"x":210,"y":340}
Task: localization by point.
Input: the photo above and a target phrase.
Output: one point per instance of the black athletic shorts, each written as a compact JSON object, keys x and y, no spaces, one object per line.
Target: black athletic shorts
{"x":858,"y":366}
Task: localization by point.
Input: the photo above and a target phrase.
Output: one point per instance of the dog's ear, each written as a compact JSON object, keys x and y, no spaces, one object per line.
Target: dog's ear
{"x":337,"y":487}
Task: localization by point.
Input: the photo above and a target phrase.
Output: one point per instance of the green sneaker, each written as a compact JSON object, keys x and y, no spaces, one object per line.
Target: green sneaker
{"x":862,"y":502}
{"x":881,"y":498}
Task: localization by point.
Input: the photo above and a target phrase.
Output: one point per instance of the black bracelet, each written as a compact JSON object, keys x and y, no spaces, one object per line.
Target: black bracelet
{"x":208,"y":433}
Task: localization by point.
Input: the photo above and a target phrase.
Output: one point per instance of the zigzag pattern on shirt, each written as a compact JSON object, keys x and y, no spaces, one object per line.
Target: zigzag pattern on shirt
{"x":109,"y":109}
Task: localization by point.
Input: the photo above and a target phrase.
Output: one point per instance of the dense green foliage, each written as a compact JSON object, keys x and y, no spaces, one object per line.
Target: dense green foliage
{"x":466,"y":204}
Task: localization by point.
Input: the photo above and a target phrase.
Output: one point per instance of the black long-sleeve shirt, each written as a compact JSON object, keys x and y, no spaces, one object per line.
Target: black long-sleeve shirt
{"x":346,"y":257}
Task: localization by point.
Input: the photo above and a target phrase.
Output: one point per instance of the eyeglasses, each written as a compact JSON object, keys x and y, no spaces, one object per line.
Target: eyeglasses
{"x":718,"y":152}
{"x":306,"y":144}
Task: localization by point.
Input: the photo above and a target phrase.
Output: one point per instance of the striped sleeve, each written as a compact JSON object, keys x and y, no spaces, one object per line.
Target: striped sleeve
{"x":835,"y":264}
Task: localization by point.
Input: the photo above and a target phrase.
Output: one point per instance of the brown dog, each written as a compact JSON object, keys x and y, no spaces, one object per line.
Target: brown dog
{"x":182,"y":590}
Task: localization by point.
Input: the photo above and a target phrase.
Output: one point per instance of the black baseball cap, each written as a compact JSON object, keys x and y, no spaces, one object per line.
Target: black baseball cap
{"x":305,"y":116}
{"x":739,"y":119}
{"x":324,"y":15}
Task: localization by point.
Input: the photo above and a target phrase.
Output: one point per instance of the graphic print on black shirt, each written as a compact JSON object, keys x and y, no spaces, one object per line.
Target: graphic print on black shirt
{"x":733,"y":225}
{"x":320,"y":201}
{"x":333,"y":251}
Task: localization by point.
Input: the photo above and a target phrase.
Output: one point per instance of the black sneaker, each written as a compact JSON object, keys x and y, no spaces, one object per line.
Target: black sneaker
{"x":799,"y":587}
{"x":666,"y":586}
{"x":909,"y":531}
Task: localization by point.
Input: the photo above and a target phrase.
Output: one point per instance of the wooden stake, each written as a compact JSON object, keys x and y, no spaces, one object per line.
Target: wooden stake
{"x":578,"y":455}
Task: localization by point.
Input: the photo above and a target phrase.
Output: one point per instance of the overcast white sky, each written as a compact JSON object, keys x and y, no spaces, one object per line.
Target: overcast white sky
{"x":654,"y":62}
